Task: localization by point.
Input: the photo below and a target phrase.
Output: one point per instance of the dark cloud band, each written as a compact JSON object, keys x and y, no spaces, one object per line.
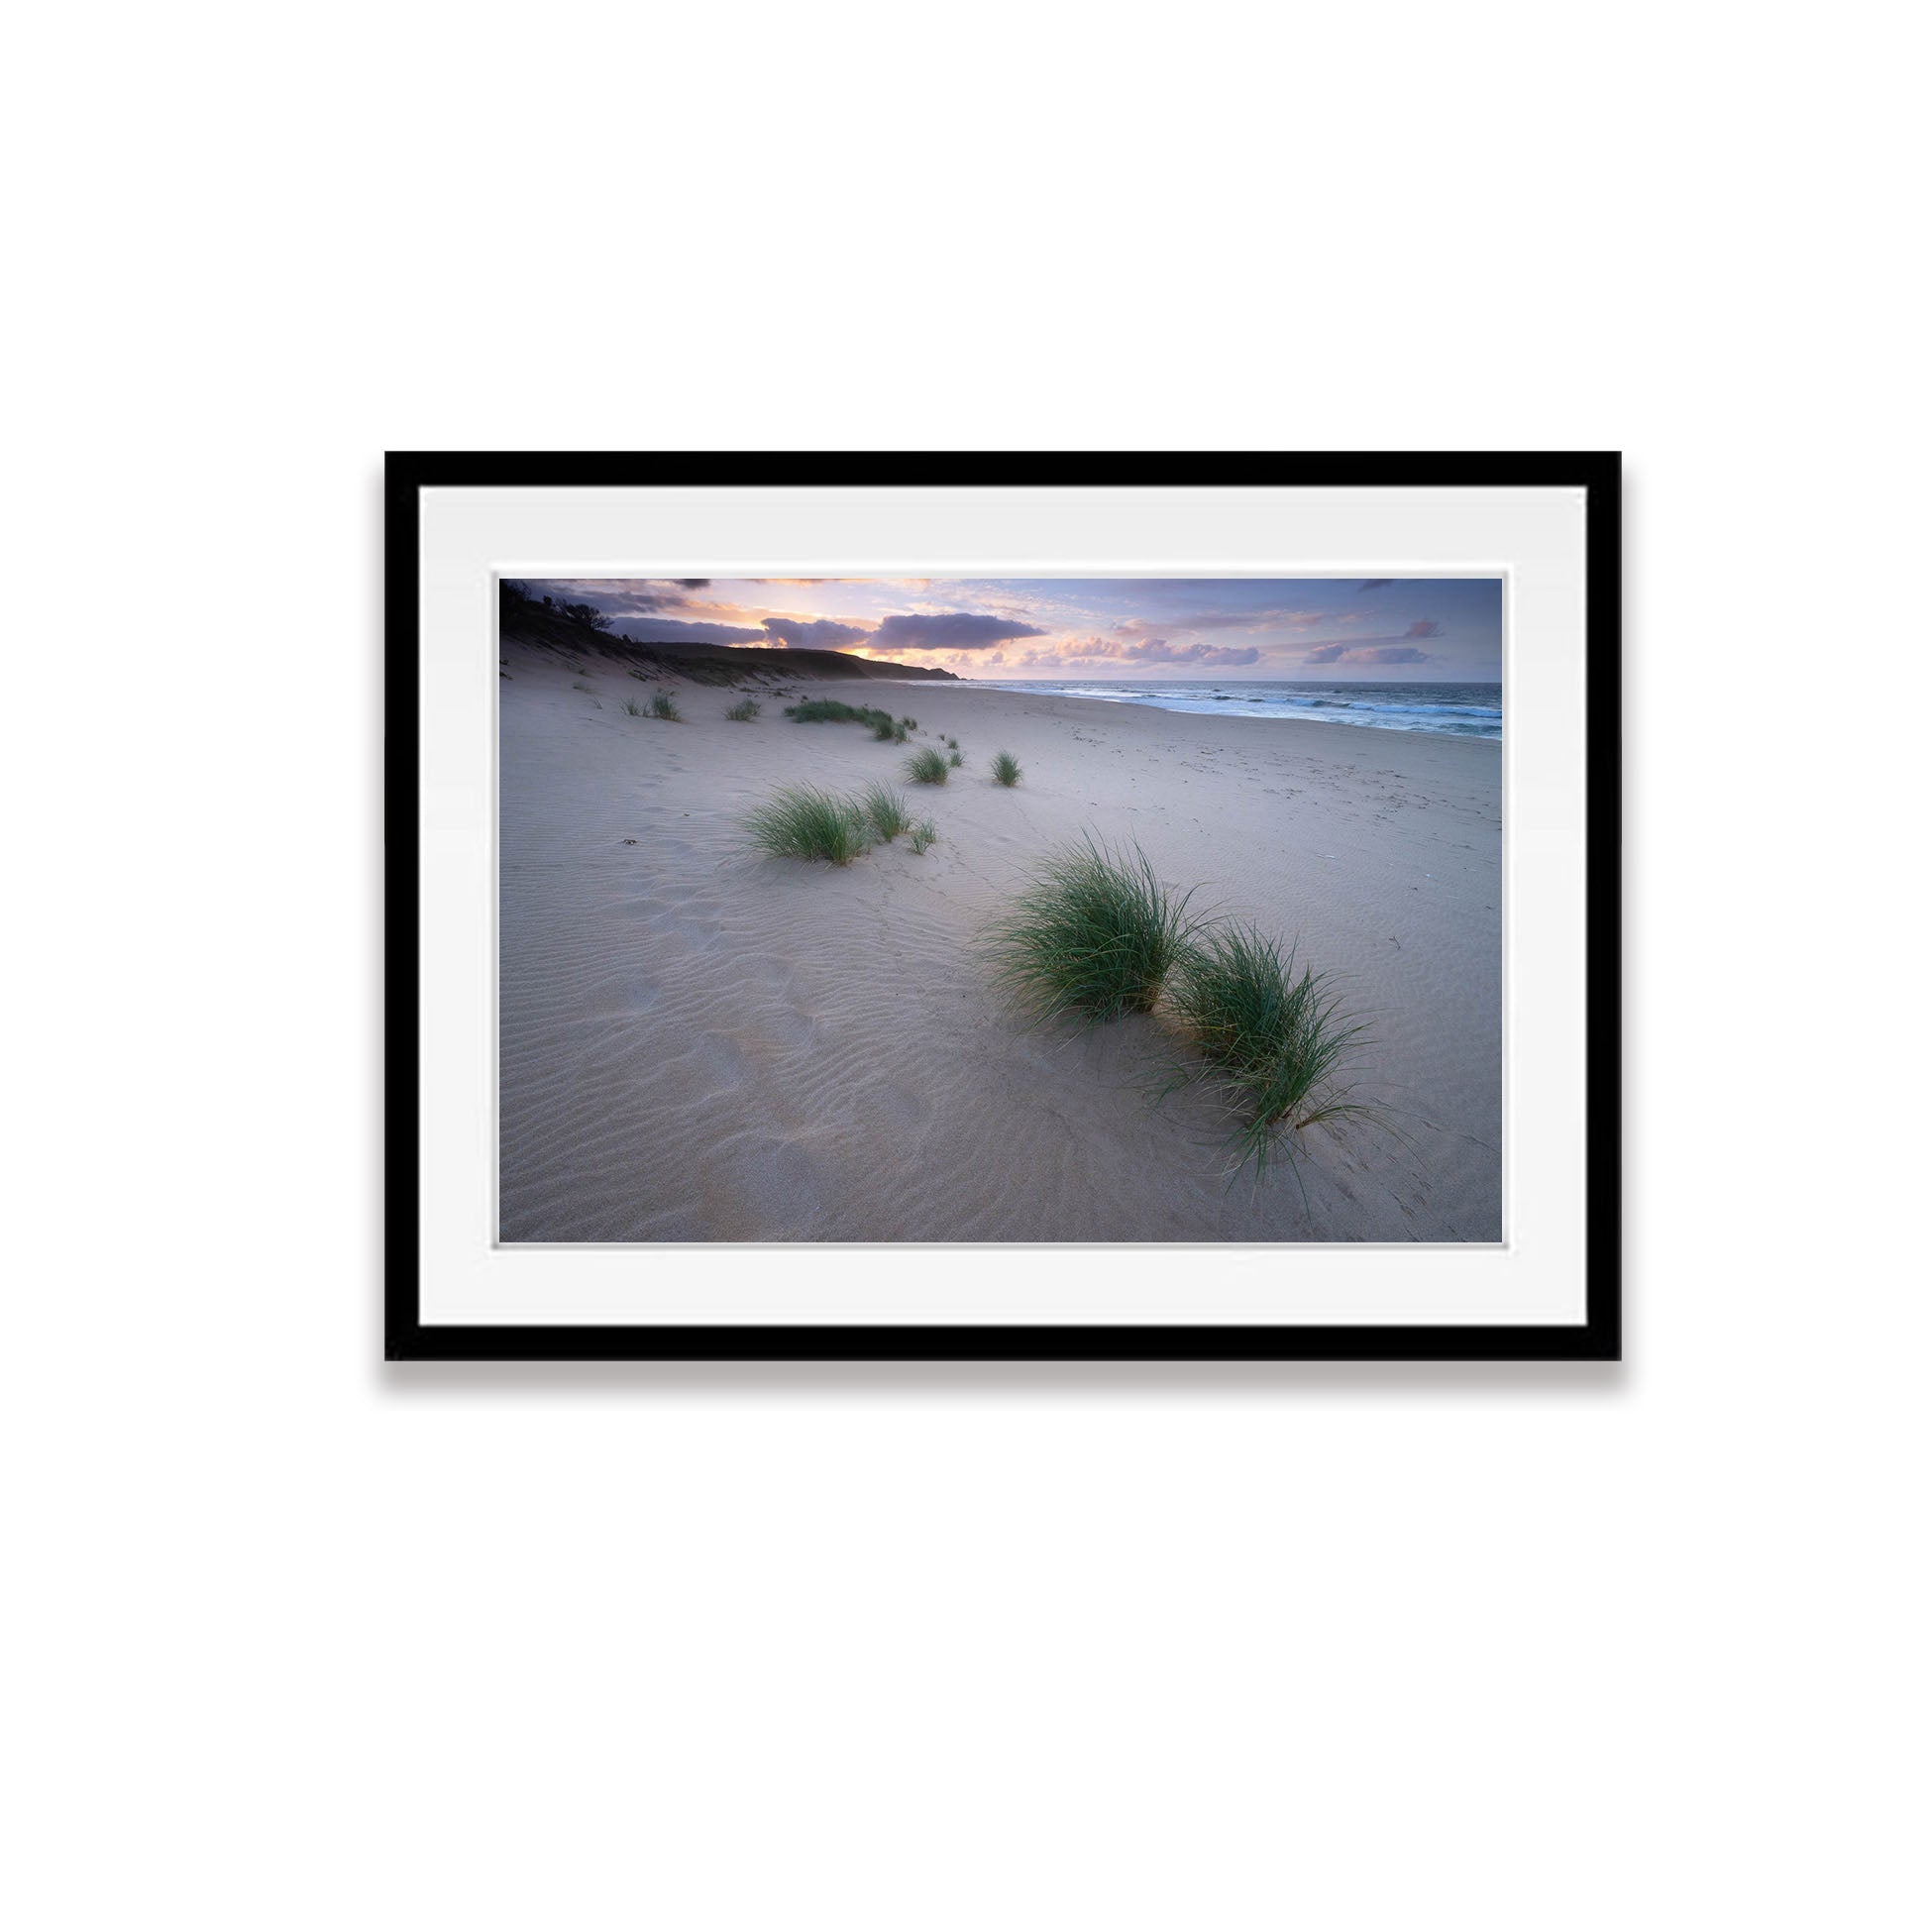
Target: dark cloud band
{"x":951,"y":630}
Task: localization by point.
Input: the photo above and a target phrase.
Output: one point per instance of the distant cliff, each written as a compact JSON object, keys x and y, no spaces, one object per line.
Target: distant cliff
{"x":571,"y":631}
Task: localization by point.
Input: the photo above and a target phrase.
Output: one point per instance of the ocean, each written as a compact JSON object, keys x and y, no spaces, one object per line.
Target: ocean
{"x":1448,"y":710}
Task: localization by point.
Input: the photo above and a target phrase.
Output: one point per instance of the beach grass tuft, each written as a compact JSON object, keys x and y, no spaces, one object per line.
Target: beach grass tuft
{"x":955,"y":759}
{"x":1005,"y":768}
{"x":1093,"y":936}
{"x":801,"y":822}
{"x":1274,"y":1040}
{"x":833,"y":711}
{"x":663,"y":706}
{"x":924,"y":834}
{"x":886,"y":813}
{"x":925,"y":766}
{"x":743,"y":712}
{"x":636,"y":709}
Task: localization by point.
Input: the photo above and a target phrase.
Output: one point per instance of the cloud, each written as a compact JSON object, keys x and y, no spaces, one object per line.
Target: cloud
{"x":815,"y":633}
{"x":1157,"y":650}
{"x":1384,"y":650}
{"x":1392,"y":654}
{"x":671,"y":631}
{"x":948,"y":630}
{"x":1153,"y":650}
{"x":620,"y":596}
{"x":1223,"y":621}
{"x":1373,"y":583}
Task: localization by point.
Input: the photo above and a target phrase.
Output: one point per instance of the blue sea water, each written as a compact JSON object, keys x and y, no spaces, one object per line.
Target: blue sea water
{"x":1464,"y":711}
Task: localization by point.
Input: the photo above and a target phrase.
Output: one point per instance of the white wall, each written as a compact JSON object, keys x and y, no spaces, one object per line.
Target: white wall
{"x":298,"y":1641}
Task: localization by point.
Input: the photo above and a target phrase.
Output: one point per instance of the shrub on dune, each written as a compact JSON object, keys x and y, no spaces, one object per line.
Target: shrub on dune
{"x":885,"y":813}
{"x":664,"y":706}
{"x":743,"y":712}
{"x":801,"y":823}
{"x":1093,"y":936}
{"x":1274,"y":1040}
{"x":1005,"y":768}
{"x":925,"y":766}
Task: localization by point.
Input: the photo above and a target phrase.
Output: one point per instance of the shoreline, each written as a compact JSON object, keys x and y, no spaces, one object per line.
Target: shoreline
{"x":1213,"y":698}
{"x":701,"y":1045}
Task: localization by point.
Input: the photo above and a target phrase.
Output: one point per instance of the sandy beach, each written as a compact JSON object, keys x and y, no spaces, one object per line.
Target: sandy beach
{"x":701,"y":1044}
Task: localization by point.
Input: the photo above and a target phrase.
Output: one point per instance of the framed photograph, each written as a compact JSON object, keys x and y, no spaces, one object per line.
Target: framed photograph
{"x":983,"y":906}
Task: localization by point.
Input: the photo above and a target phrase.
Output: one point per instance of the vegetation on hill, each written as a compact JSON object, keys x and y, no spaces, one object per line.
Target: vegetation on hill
{"x":577,"y":631}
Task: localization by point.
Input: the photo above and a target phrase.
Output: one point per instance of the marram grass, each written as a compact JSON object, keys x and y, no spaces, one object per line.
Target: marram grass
{"x":924,"y":834}
{"x":833,"y":711}
{"x":743,"y":712}
{"x":801,"y":823}
{"x":925,"y":766}
{"x":1005,"y":768}
{"x":885,"y":815}
{"x":1092,"y":935}
{"x":1275,"y":1042}
{"x":664,"y":706}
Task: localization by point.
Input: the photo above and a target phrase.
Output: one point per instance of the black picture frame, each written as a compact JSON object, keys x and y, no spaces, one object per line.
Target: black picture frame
{"x":1598,"y":1338}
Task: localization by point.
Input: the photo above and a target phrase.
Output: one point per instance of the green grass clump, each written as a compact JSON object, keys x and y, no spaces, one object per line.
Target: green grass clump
{"x":885,"y":813}
{"x":1274,"y":1040}
{"x":925,"y":766}
{"x":1005,"y":768}
{"x":832,"y":711}
{"x":743,"y":712}
{"x":883,"y":729}
{"x":1093,"y":934}
{"x":924,"y":834}
{"x":910,"y":724}
{"x":664,"y":706}
{"x":952,"y":744}
{"x":955,"y":759}
{"x":635,"y":708}
{"x":801,"y":823}
{"x":900,"y":732}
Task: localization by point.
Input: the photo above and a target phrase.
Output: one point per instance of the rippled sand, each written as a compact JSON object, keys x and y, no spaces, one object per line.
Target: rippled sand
{"x":698,"y":1044}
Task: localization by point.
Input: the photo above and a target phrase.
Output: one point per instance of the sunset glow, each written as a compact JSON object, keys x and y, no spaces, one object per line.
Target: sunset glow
{"x":1411,"y":629}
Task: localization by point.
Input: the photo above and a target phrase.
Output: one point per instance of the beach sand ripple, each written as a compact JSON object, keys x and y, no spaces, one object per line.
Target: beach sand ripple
{"x":698,"y":1044}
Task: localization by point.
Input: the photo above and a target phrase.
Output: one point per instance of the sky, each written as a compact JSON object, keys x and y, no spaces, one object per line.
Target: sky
{"x":1055,"y":628}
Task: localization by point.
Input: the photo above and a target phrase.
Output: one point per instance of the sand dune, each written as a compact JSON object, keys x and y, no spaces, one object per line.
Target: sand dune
{"x":698,"y":1044}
